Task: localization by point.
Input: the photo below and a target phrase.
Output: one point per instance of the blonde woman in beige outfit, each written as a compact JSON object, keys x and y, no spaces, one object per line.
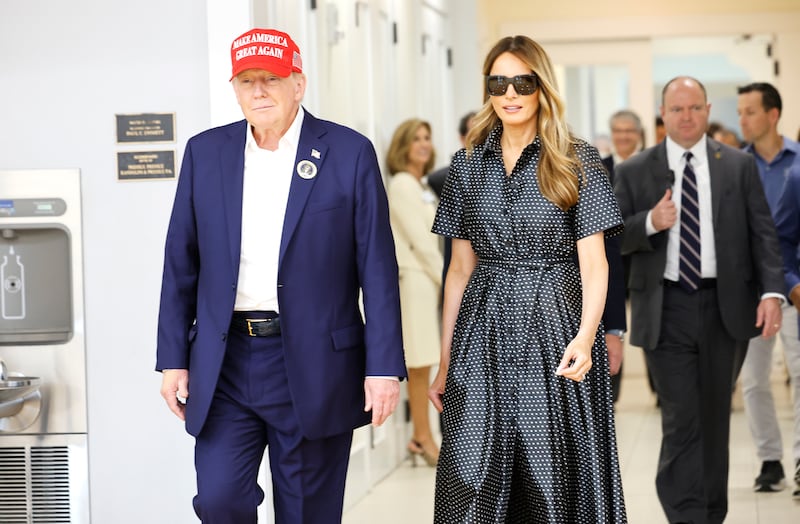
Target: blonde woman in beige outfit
{"x":412,"y":207}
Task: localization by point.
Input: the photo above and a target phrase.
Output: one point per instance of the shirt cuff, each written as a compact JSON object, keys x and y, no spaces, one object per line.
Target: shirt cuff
{"x":649,"y":228}
{"x":396,"y":379}
{"x":617,"y":333}
{"x":781,"y":298}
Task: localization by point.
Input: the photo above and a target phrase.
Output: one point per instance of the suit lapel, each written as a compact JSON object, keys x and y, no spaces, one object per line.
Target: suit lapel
{"x":310,"y":149}
{"x":232,"y":169}
{"x":716,"y":175}
{"x":663,"y":178}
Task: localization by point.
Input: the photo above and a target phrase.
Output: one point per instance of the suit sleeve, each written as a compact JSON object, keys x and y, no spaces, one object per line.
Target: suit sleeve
{"x":635,"y":237}
{"x":787,"y":222}
{"x":179,"y":283}
{"x":614,"y":312}
{"x":436,"y":180}
{"x":377,"y":269}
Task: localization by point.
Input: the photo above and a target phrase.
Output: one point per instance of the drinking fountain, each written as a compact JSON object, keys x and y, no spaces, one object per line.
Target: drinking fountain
{"x":20,"y":400}
{"x":44,"y":465}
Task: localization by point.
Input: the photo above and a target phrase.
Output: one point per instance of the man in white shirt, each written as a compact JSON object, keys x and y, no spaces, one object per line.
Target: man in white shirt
{"x":280,"y":221}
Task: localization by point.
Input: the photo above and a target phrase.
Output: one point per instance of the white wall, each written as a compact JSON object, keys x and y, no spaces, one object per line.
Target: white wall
{"x":68,"y":68}
{"x":467,"y":89}
{"x":225,"y":20}
{"x":788,"y":82}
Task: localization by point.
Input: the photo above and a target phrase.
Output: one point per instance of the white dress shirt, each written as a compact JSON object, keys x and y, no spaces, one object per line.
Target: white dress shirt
{"x":708,"y":251}
{"x":267,"y":177}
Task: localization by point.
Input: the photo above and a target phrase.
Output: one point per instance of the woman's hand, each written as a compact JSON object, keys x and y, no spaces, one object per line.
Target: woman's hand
{"x":436,"y":390}
{"x":577,"y":359}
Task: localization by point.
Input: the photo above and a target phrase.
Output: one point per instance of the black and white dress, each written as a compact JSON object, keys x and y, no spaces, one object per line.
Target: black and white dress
{"x":520,"y":444}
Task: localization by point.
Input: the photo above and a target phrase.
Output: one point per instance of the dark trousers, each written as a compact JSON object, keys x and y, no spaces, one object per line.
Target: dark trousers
{"x":692,"y":368}
{"x":252,"y":411}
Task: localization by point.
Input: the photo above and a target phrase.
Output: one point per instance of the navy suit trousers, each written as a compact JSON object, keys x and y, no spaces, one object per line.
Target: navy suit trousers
{"x":252,"y":411}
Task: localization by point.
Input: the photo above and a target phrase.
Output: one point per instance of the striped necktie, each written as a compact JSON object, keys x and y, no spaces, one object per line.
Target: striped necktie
{"x":689,"y":267}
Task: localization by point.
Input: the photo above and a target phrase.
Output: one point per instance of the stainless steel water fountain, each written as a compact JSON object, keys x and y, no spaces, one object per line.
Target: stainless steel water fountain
{"x":43,"y":426}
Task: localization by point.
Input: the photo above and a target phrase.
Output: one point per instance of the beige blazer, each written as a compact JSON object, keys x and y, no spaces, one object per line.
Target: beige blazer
{"x":412,"y":208}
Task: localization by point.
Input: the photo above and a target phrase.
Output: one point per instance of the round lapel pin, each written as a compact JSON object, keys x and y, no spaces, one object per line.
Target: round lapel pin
{"x":306,"y":169}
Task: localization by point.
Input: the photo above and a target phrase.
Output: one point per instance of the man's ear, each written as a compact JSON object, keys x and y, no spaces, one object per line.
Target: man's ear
{"x":300,"y":86}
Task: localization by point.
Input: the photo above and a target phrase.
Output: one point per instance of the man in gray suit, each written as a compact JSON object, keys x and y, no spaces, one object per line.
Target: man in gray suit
{"x":705,"y":276}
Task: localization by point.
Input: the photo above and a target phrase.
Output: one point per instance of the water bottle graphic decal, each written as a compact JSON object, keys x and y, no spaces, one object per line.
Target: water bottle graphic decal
{"x":12,"y":276}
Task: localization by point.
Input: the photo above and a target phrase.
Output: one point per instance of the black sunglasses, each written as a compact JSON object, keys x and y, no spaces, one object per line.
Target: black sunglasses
{"x":497,"y":85}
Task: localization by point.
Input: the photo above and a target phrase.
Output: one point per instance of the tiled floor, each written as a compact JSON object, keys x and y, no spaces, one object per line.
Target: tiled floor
{"x":406,"y":496}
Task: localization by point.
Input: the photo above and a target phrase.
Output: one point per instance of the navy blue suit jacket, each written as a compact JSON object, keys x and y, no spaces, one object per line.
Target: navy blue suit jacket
{"x":787,"y":222}
{"x":335,"y":242}
{"x":614,"y":312}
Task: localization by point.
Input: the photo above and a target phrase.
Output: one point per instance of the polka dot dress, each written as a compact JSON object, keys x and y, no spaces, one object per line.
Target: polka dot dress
{"x":520,"y":444}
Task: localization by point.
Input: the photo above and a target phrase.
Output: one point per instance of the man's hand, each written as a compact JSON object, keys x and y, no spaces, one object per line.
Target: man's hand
{"x":768,"y":316}
{"x":174,"y":385}
{"x":614,"y":344}
{"x":381,"y":397}
{"x":664,"y":214}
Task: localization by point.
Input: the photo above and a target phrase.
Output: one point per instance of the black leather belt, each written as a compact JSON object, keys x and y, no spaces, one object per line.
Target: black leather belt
{"x":256,"y":323}
{"x":705,"y":283}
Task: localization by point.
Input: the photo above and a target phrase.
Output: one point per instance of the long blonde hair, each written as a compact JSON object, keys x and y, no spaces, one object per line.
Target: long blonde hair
{"x":397,"y":156}
{"x":558,"y":164}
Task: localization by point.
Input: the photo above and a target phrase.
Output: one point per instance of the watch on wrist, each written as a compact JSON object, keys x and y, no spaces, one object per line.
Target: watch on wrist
{"x":617,"y":333}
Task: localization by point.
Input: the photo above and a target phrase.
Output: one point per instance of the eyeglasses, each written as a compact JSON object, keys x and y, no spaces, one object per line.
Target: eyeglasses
{"x":497,"y":85}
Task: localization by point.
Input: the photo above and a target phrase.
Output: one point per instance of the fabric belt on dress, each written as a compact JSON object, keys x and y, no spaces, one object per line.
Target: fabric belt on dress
{"x":705,"y":283}
{"x":531,"y":263}
{"x":256,"y":323}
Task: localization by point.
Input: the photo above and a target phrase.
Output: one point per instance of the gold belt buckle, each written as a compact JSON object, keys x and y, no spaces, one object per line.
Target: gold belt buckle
{"x":250,"y":324}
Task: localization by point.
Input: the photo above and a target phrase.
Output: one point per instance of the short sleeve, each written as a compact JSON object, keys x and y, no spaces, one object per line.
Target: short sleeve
{"x":597,"y":208}
{"x":449,"y":219}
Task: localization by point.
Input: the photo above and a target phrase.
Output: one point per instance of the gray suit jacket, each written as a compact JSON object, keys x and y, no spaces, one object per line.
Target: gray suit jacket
{"x":748,"y":255}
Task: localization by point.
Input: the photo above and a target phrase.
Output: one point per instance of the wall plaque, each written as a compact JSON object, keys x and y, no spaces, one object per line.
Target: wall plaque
{"x":146,"y":127}
{"x":142,"y":165}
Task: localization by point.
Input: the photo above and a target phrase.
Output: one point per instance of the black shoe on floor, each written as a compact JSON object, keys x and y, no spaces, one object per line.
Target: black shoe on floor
{"x":771,"y":478}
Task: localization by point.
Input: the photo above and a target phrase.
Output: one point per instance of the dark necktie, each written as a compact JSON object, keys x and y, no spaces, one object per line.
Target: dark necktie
{"x":689,"y":268}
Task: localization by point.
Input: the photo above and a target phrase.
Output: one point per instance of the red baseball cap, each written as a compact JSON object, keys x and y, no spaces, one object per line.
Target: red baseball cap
{"x":267,"y":49}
